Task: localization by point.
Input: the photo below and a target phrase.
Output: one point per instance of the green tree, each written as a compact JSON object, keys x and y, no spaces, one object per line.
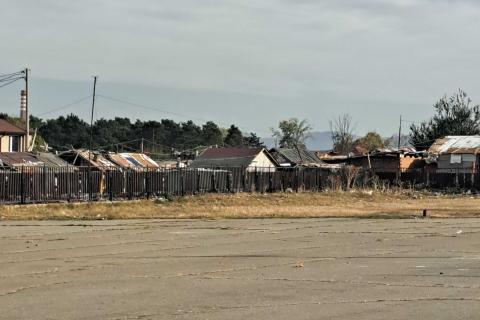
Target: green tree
{"x":234,"y":137}
{"x":453,"y":116}
{"x":191,"y":135}
{"x":66,"y":132}
{"x":292,"y":133}
{"x":211,"y":134}
{"x":370,"y":141}
{"x":253,"y":141}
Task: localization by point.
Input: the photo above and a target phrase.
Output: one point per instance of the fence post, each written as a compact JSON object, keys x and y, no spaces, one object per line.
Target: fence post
{"x":244,"y":179}
{"x":270,"y":181}
{"x":110,"y":185}
{"x":213,"y":186}
{"x":297,"y":179}
{"x":129,"y":186}
{"x":147,"y":183}
{"x":182,"y":183}
{"x":22,"y":186}
{"x":198,"y":181}
{"x":44,"y":185}
{"x":68,"y":176}
{"x":229,"y":182}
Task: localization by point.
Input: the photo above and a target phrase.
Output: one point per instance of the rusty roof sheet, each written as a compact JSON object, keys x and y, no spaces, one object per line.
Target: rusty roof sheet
{"x":96,"y":160}
{"x":144,"y":160}
{"x":16,"y":159}
{"x":132,"y":160}
{"x":456,"y":144}
{"x":120,"y":161}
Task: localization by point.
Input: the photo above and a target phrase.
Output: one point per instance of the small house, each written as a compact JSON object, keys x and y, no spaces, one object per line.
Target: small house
{"x":456,"y":154}
{"x":12,"y":137}
{"x":384,"y":160}
{"x":249,"y":158}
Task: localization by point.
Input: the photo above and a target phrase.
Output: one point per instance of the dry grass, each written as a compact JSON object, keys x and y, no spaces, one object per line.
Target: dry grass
{"x":280,"y":205}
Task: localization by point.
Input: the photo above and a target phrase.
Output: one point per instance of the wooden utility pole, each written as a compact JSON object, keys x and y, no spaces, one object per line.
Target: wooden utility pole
{"x":27,"y":120}
{"x":91,"y":140}
{"x":400,"y":132}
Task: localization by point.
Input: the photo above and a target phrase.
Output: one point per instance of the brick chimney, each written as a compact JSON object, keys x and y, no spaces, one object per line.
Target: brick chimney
{"x":23,"y":105}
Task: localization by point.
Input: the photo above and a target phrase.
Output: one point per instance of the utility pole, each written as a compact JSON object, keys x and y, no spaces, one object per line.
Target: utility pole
{"x":141,"y":147}
{"x":153,"y":141}
{"x":400,"y":132}
{"x":27,"y":122}
{"x":91,"y":139}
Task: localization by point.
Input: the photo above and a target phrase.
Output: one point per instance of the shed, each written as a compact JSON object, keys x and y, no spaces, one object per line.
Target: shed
{"x":249,"y":158}
{"x":84,"y":158}
{"x":52,"y":160}
{"x":13,"y":160}
{"x":456,"y":154}
{"x":293,"y":157}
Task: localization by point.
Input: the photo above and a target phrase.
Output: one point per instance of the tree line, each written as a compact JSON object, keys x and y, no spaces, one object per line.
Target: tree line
{"x":121,"y":134}
{"x":454,"y":115}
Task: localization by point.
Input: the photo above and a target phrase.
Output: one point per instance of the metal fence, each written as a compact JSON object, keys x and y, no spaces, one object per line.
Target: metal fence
{"x":46,"y":184}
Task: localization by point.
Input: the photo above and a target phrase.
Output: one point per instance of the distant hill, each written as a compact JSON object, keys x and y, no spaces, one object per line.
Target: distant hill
{"x":319,"y":140}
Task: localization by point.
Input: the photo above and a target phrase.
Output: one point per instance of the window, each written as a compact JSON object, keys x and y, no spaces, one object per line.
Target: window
{"x":455,"y":158}
{"x":14,"y":144}
{"x":468,"y":157}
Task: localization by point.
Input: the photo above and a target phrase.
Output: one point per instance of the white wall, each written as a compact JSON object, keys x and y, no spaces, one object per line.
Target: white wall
{"x":261,"y":162}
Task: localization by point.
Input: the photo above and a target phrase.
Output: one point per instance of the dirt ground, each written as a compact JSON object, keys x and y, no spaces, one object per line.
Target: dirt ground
{"x":241,"y":269}
{"x":358,"y":203}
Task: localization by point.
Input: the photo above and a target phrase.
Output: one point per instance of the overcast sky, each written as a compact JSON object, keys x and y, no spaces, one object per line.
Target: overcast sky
{"x":251,"y":62}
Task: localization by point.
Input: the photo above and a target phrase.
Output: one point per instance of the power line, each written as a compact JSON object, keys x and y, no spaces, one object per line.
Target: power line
{"x":161,"y":110}
{"x":410,"y":121}
{"x":10,"y":78}
{"x":14,"y":77}
{"x":12,"y":81}
{"x":65,"y":106}
{"x":11,"y":74}
{"x":149,"y":107}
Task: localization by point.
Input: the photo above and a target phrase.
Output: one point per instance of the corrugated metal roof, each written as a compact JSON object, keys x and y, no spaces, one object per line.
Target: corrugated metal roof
{"x":456,"y":144}
{"x":51,"y":160}
{"x":96,"y":160}
{"x":294,"y":156}
{"x":15,"y":159}
{"x":132,"y":160}
{"x":144,"y":160}
{"x":120,"y":161}
{"x":8,"y":128}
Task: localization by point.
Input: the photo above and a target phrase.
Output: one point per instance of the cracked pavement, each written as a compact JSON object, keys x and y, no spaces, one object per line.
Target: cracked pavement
{"x":241,"y":269}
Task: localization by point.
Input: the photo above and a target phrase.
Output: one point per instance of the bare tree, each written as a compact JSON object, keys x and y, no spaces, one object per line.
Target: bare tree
{"x":342,"y":133}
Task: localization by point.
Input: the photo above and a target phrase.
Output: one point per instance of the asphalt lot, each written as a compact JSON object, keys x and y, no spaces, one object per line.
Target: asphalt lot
{"x":241,"y":269}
